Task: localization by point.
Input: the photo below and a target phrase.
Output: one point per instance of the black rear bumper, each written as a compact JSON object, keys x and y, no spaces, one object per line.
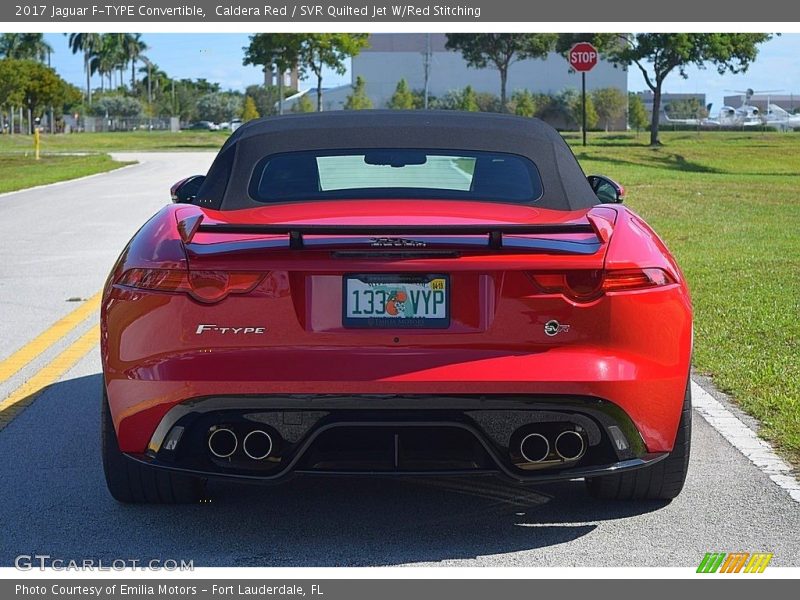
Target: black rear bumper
{"x":405,"y":436}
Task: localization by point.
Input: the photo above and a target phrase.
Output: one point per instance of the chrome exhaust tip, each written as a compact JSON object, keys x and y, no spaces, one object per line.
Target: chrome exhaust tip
{"x":222,"y":442}
{"x":534,"y":447}
{"x":570,"y":445}
{"x":257,"y":444}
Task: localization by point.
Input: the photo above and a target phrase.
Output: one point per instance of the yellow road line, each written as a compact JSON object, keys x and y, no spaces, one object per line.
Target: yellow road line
{"x":50,"y":373}
{"x":47,"y":338}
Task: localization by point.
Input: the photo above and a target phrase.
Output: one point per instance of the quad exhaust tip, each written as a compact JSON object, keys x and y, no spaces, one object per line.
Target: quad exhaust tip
{"x":257,"y":444}
{"x":570,"y":445}
{"x":222,"y":442}
{"x":534,"y":447}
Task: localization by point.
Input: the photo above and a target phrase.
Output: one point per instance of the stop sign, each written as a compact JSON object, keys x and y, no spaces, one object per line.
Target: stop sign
{"x":582,"y":57}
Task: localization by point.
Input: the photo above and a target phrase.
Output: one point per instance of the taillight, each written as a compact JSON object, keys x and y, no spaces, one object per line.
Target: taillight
{"x":203,"y":286}
{"x":635,"y":279}
{"x":580,"y":286}
{"x":588,"y":285}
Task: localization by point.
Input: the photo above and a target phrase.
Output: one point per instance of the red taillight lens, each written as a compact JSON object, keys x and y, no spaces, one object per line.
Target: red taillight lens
{"x":588,"y":285}
{"x":581,"y":286}
{"x":635,"y":279}
{"x":213,"y":286}
{"x":165,"y":280}
{"x":203,"y":286}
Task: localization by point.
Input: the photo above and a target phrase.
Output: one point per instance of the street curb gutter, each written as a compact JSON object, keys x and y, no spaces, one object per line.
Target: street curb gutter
{"x":744,"y":439}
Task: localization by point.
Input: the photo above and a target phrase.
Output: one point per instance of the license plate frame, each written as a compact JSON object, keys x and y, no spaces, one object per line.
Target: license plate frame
{"x":398,"y":322}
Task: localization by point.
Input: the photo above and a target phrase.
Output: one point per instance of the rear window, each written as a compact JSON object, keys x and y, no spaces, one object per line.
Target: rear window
{"x":395,"y":173}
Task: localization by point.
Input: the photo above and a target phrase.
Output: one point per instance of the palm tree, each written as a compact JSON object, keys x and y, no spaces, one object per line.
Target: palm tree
{"x":134,"y":50}
{"x":108,"y":57}
{"x":9,"y":45}
{"x":155,"y":79}
{"x":88,"y":43}
{"x":25,"y":46}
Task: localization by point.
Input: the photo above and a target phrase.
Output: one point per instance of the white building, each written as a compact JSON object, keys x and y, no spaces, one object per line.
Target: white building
{"x":788,"y":102}
{"x":394,"y":56}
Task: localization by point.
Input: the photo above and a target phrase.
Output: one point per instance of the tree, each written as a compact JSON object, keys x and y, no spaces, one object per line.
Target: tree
{"x":691,"y":108}
{"x":524,"y":103}
{"x":488,"y":102}
{"x":12,"y":86}
{"x":266,"y":98}
{"x":107,"y":57}
{"x":134,"y":50}
{"x":358,"y":100}
{"x":274,"y":50}
{"x":33,"y":85}
{"x":656,"y":55}
{"x":218,"y":106}
{"x":156,"y":81}
{"x":25,"y":46}
{"x":500,"y":50}
{"x":637,"y":114}
{"x":331,"y":50}
{"x":469,"y":100}
{"x":88,"y":43}
{"x":303,"y":105}
{"x":117,"y":105}
{"x":610,"y":105}
{"x":249,"y":112}
{"x":185,"y":106}
{"x":568,"y":102}
{"x":403,"y":97}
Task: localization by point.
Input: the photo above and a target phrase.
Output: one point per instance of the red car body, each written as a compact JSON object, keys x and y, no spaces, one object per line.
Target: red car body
{"x":247,"y":322}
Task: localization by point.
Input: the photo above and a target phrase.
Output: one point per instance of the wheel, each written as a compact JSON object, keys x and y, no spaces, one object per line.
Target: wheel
{"x":133,"y":482}
{"x":661,"y":481}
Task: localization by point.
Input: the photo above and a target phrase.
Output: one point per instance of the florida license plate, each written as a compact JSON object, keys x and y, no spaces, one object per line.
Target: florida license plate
{"x":396,"y":301}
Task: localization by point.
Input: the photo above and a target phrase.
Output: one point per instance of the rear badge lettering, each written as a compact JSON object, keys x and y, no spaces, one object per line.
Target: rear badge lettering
{"x":388,"y":242}
{"x":553,"y":328}
{"x":230,"y":330}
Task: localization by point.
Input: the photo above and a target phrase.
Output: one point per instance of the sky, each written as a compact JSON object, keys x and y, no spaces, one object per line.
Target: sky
{"x":218,"y":58}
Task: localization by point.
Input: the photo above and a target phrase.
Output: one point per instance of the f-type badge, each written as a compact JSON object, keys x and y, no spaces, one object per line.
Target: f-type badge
{"x":204,"y":328}
{"x":553,"y":328}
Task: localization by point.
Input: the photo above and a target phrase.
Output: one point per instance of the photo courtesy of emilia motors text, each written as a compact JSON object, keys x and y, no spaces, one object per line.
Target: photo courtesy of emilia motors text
{"x":399,"y":300}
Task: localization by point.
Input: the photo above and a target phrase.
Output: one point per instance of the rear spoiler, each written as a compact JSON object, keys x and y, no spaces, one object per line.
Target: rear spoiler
{"x":189,"y":226}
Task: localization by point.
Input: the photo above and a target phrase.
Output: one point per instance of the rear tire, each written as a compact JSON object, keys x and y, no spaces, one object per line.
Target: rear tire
{"x":133,"y":482}
{"x":661,"y":481}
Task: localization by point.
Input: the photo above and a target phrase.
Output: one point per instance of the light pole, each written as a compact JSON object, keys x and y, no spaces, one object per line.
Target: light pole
{"x":427,"y":66}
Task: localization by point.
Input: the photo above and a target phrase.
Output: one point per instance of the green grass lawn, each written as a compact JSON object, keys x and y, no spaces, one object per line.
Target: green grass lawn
{"x":117,"y":141}
{"x":728,"y":206}
{"x":18,"y":171}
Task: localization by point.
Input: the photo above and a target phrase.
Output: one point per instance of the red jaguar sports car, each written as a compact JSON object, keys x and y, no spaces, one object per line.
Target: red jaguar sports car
{"x":395,"y":293}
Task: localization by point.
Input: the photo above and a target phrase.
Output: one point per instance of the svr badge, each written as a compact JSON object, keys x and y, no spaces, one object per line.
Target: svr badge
{"x":553,"y":328}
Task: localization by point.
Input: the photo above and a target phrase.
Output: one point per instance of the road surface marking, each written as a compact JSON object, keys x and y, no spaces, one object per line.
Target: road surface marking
{"x":50,"y":373}
{"x":17,"y":361}
{"x":745,"y":440}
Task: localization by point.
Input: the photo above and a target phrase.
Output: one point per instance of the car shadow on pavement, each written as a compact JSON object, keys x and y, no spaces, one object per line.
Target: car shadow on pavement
{"x":54,"y":500}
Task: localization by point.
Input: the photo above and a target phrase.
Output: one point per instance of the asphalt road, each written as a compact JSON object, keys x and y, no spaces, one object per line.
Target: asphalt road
{"x":58,"y":243}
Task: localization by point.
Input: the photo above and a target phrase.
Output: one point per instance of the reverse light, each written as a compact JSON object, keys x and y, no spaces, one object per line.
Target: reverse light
{"x":204,"y":286}
{"x":588,"y":285}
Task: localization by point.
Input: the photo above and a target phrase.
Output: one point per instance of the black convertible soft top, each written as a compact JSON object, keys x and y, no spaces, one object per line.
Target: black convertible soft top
{"x":565,"y":185}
